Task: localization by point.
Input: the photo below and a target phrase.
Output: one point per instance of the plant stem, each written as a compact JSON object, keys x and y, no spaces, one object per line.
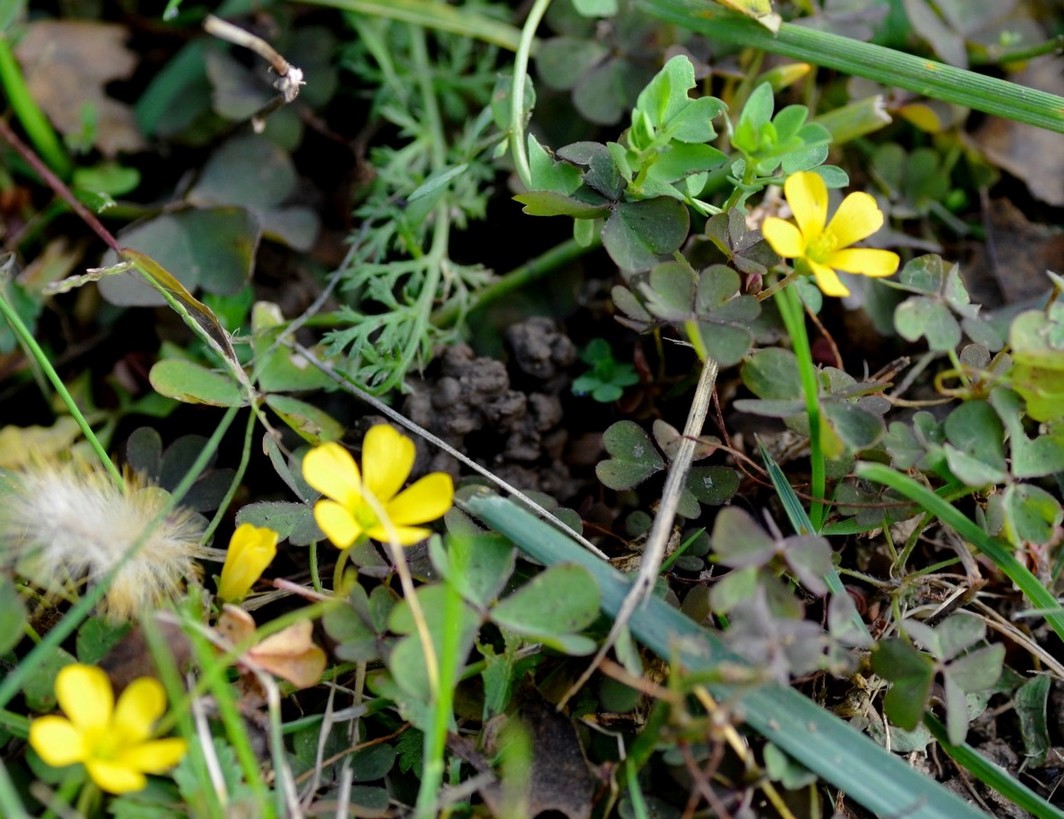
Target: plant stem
{"x":1028,"y":52}
{"x":791,"y":310}
{"x":35,"y":352}
{"x":519,"y":277}
{"x":40,"y":131}
{"x":883,"y":65}
{"x":517,"y":91}
{"x":234,"y":485}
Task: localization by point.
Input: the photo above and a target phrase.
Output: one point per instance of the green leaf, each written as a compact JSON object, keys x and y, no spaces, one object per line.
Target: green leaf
{"x":559,"y":601}
{"x":96,"y":637}
{"x":772,"y":373}
{"x":856,"y":428}
{"x":437,"y":183}
{"x":277,"y":368}
{"x":193,"y":383}
{"x":602,"y":174}
{"x":911,"y":674}
{"x":920,"y":316}
{"x":1031,"y":458}
{"x":956,"y":634}
{"x":562,"y":62}
{"x":669,"y":292}
{"x":210,"y":248}
{"x":756,"y":114}
{"x":12,"y":615}
{"x":549,"y":203}
{"x":548,"y":175}
{"x":351,"y":628}
{"x":39,"y":689}
{"x":714,"y":485}
{"x":977,"y":436}
{"x":634,"y":458}
{"x":738,"y":541}
{"x":108,"y":178}
{"x":638,"y":234}
{"x":694,"y":124}
{"x":1038,"y":362}
{"x":665,"y":95}
{"x":478,"y":566}
{"x":679,"y":160}
{"x":786,"y":770}
{"x":1030,"y":701}
{"x":313,"y":425}
{"x":292,"y":521}
{"x":1032,"y":515}
{"x":978,"y":670}
{"x":250,"y":171}
{"x":444,"y":612}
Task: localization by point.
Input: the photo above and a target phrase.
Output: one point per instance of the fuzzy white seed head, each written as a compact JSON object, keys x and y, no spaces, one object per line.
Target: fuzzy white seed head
{"x":64,"y":524}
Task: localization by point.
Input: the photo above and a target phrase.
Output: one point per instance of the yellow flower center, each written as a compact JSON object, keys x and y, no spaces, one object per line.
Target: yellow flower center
{"x":821,"y":248}
{"x":105,"y":744}
{"x":363,"y":513}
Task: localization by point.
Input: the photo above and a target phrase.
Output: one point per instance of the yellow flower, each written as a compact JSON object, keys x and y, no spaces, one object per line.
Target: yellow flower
{"x":822,"y":250}
{"x":387,"y":458}
{"x":112,"y":742}
{"x":250,"y":551}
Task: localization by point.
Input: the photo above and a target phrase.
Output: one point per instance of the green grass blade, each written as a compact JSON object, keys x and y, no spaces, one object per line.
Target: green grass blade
{"x":433,"y":14}
{"x":792,"y":504}
{"x":992,"y":775}
{"x":884,"y":65}
{"x":1046,"y":604}
{"x":815,"y":737}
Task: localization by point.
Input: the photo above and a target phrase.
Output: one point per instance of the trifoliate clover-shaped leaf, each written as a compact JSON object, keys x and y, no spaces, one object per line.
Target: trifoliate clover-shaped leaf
{"x":633,"y":456}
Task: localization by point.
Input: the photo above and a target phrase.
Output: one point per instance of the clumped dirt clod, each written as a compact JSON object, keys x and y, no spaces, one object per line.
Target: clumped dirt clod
{"x":472,"y":405}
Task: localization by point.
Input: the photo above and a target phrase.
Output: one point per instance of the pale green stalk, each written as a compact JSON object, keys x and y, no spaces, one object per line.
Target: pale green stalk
{"x":433,"y":14}
{"x":789,"y":304}
{"x":37,"y":126}
{"x":883,"y":65}
{"x":35,"y":352}
{"x":517,"y":91}
{"x":234,"y":485}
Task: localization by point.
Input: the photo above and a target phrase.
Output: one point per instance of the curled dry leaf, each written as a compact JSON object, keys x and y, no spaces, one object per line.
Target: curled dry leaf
{"x":67,"y":66}
{"x":290,"y":654}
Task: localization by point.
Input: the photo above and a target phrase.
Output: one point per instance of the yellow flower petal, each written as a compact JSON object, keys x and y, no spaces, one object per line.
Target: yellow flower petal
{"x":808,"y":197}
{"x":337,"y":522}
{"x":404,"y":535}
{"x":57,"y":741}
{"x":331,"y":470}
{"x":424,"y":500}
{"x":115,"y":777}
{"x":857,"y":218}
{"x":827,"y":280}
{"x":866,"y":261}
{"x":251,"y":549}
{"x":143,"y":702}
{"x":156,"y":756}
{"x":387,"y":458}
{"x":84,"y":693}
{"x":783,"y":237}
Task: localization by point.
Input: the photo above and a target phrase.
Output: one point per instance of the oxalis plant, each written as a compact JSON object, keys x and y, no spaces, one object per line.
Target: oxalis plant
{"x":704,"y":275}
